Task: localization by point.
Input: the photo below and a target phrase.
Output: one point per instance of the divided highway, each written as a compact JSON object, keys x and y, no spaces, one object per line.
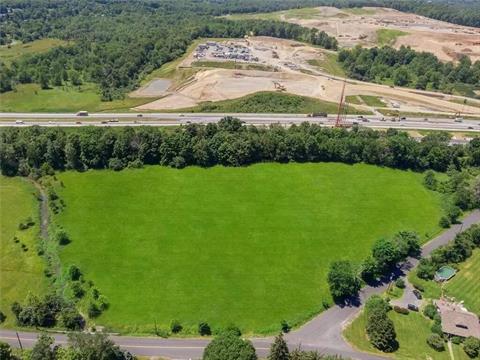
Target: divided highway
{"x":175,"y":119}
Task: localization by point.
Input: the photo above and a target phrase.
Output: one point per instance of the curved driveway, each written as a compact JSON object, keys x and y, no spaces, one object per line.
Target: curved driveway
{"x":323,"y":333}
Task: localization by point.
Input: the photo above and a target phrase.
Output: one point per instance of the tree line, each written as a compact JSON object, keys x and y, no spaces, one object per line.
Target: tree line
{"x":227,"y":143}
{"x":407,"y":67}
{"x":37,"y":150}
{"x":115,"y":44}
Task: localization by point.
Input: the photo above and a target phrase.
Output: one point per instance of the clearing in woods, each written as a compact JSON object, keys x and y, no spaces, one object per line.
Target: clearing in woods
{"x":249,"y":246}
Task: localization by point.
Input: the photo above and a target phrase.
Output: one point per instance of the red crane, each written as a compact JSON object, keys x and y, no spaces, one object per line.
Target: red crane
{"x":342,"y":113}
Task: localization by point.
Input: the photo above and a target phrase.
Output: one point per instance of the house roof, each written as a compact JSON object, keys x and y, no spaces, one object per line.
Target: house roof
{"x":457,"y":321}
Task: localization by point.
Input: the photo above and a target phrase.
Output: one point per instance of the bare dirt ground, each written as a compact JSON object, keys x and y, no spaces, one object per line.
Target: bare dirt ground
{"x":447,"y":41}
{"x":293,"y":75}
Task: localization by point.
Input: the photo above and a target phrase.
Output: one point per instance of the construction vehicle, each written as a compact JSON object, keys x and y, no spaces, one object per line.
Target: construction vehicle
{"x":279,"y":87}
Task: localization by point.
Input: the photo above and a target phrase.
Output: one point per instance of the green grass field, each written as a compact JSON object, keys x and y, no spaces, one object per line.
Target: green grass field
{"x":14,"y":52}
{"x":329,"y":64}
{"x":270,"y":102}
{"x":249,"y":246}
{"x":388,"y":36}
{"x":31,"y":98}
{"x":20,"y":271}
{"x":412,"y":332}
{"x":465,"y":285}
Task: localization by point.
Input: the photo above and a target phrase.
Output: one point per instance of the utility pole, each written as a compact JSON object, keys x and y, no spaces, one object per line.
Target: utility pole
{"x":19,"y":342}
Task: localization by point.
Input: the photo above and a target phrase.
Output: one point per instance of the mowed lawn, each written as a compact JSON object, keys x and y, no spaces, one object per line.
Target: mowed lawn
{"x":412,"y":333}
{"x":20,"y":271}
{"x":249,"y":246}
{"x":465,"y":285}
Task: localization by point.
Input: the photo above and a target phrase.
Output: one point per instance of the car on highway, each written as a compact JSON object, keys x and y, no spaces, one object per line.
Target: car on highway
{"x":78,"y":122}
{"x":403,"y":118}
{"x":104,"y":122}
{"x":113,"y":121}
{"x":82,"y":113}
{"x":459,"y":119}
{"x":317,"y":114}
{"x":470,"y":127}
{"x":18,"y":122}
{"x":139,"y":115}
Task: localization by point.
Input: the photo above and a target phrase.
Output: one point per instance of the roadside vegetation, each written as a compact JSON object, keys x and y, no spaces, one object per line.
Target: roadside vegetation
{"x":271,"y":102}
{"x":370,"y":100}
{"x":388,"y":36}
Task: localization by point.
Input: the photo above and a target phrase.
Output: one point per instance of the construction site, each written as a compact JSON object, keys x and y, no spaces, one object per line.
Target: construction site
{"x":291,"y":72}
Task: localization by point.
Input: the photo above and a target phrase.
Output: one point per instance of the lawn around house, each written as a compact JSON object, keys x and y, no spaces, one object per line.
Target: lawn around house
{"x":412,"y":332}
{"x":465,"y":285}
{"x":230,"y":245}
{"x":20,"y":271}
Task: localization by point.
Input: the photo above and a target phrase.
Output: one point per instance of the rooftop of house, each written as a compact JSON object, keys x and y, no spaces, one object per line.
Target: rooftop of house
{"x":456,"y":320}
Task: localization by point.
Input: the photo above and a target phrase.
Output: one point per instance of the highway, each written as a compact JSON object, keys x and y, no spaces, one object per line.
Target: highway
{"x":176,"y":119}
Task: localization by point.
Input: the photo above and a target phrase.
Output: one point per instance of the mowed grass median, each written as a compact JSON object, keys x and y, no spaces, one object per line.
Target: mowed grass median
{"x":249,"y":246}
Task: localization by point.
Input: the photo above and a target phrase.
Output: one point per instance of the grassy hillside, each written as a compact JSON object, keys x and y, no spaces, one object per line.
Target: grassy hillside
{"x":231,"y":245}
{"x":21,"y":271}
{"x":31,"y":98}
{"x":270,"y":102}
{"x":13,"y":52}
{"x":329,"y":64}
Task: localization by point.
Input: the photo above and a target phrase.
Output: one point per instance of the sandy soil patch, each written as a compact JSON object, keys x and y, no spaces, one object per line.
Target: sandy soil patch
{"x":447,"y":41}
{"x":222,"y":84}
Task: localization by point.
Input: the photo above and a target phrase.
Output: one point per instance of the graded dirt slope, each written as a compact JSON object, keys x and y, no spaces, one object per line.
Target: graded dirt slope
{"x":359,"y":26}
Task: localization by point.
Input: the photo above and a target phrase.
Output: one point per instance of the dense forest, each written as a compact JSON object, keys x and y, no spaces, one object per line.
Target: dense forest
{"x":116,"y":43}
{"x":33,"y":151}
{"x":406,"y":67}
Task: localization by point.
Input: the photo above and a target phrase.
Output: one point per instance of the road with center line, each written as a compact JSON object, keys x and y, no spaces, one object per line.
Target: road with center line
{"x":323,"y":333}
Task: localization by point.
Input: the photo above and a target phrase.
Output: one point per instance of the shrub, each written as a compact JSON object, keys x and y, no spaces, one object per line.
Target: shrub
{"x":175,"y":327}
{"x":430,"y":311}
{"x":471,"y":346}
{"x":285,"y":326}
{"x":71,"y":319}
{"x":74,"y":273}
{"x":437,"y":329}
{"x":6,"y":352}
{"x":3,"y":317}
{"x":93,"y":310}
{"x":115,"y":164}
{"x":77,"y":289}
{"x":229,"y":346}
{"x":234,"y":329}
{"x":456,"y":340}
{"x":204,"y":329}
{"x":135,"y":164}
{"x":444,"y":222}
{"x":400,"y":283}
{"x":436,"y":342}
{"x":401,"y":310}
{"x":95,"y":293}
{"x":103,"y":303}
{"x":61,"y":237}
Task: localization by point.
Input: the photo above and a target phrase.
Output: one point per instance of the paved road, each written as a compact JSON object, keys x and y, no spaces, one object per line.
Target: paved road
{"x":175,"y":119}
{"x":322,"y":333}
